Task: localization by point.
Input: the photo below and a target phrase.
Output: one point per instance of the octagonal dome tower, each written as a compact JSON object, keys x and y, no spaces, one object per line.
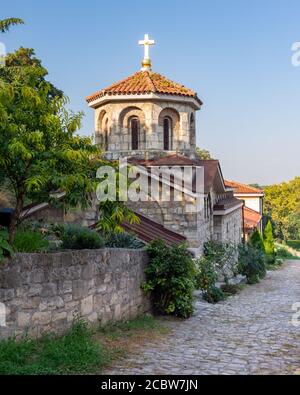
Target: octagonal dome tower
{"x":145,"y":115}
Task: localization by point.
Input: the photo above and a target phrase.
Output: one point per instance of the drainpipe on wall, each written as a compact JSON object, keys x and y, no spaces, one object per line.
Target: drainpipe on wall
{"x":243,"y":220}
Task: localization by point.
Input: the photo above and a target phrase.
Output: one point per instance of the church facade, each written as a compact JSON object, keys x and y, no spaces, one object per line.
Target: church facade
{"x":151,"y":121}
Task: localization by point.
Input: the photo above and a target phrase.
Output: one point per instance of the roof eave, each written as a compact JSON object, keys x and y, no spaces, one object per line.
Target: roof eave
{"x":252,"y":194}
{"x":225,"y":211}
{"x":195,"y":102}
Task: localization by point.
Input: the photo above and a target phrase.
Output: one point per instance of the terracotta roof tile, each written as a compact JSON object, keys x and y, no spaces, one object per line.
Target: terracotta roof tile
{"x":228,"y":203}
{"x":242,"y":188}
{"x":211,"y":166}
{"x":251,"y":218}
{"x":144,"y":82}
{"x":148,"y":230}
{"x":168,"y":160}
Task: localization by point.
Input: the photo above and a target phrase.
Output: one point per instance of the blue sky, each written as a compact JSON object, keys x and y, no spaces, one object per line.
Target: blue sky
{"x":236,"y":54}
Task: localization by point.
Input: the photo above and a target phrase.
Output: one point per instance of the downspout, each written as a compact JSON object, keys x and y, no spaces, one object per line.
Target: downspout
{"x":243,"y":221}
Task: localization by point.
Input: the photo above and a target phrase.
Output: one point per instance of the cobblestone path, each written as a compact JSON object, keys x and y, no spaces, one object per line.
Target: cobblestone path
{"x":250,"y":333}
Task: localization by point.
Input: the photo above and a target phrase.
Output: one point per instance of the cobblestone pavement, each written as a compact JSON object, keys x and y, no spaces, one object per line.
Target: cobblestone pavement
{"x":250,"y":333}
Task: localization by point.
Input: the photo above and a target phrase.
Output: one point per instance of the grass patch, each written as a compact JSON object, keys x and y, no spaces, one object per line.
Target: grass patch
{"x":28,"y":241}
{"x":283,"y":253}
{"x":295,"y":244}
{"x":276,"y":265}
{"x":73,"y":353}
{"x":80,"y":351}
{"x":129,"y":336}
{"x":129,"y":328}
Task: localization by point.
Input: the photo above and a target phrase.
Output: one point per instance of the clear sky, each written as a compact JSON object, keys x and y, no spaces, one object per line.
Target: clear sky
{"x":236,"y":54}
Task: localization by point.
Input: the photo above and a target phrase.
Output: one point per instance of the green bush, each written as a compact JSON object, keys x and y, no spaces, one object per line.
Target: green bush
{"x":224,"y":258}
{"x":206,"y":278}
{"x":170,"y":279}
{"x":73,"y":353}
{"x":256,"y":241}
{"x":29,"y":241}
{"x":251,"y":263}
{"x":214,"y":295}
{"x":5,"y":248}
{"x":123,"y":240}
{"x":76,"y":237}
{"x":269,"y":244}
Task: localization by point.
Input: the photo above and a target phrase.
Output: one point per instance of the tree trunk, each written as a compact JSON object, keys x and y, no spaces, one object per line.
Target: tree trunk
{"x":15,"y":219}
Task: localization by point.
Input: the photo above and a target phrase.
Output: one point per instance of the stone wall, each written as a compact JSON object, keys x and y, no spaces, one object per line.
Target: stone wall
{"x":112,"y":119}
{"x":176,"y":217}
{"x":45,"y":292}
{"x":228,"y":227}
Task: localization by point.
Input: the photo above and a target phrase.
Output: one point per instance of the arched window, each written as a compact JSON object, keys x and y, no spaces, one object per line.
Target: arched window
{"x":134,"y":129}
{"x":168,"y":134}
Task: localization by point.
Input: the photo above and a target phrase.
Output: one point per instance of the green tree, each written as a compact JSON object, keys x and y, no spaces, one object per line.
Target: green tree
{"x":269,"y":242}
{"x":40,"y":151}
{"x":203,"y":154}
{"x":251,"y":263}
{"x":5,"y":24}
{"x":282,"y":204}
{"x":256,"y":241}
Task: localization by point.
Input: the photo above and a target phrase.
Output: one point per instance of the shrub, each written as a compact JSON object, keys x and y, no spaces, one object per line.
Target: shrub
{"x":170,"y":279}
{"x":76,"y":237}
{"x":269,"y":243}
{"x":214,"y":295}
{"x":224,"y":258}
{"x":256,"y":241}
{"x":123,"y":240}
{"x":5,"y":247}
{"x":206,"y":276}
{"x":251,"y":263}
{"x":205,"y":280}
{"x":29,"y":241}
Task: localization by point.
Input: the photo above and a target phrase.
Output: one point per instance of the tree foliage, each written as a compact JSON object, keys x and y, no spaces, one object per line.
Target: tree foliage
{"x":5,"y":24}
{"x":203,"y":154}
{"x":251,"y":263}
{"x":170,"y":279}
{"x":256,"y":241}
{"x":282,"y":204}
{"x":269,"y":241}
{"x":40,"y":151}
{"x":5,"y":248}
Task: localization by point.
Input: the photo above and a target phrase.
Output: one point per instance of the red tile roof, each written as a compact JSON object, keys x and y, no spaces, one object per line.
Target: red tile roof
{"x":148,"y":230}
{"x":242,"y":188}
{"x":144,"y":82}
{"x":168,"y":160}
{"x":210,"y":166}
{"x":251,"y":218}
{"x":228,"y":203}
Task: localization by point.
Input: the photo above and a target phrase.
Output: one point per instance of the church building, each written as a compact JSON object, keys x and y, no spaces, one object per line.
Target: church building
{"x":151,"y":121}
